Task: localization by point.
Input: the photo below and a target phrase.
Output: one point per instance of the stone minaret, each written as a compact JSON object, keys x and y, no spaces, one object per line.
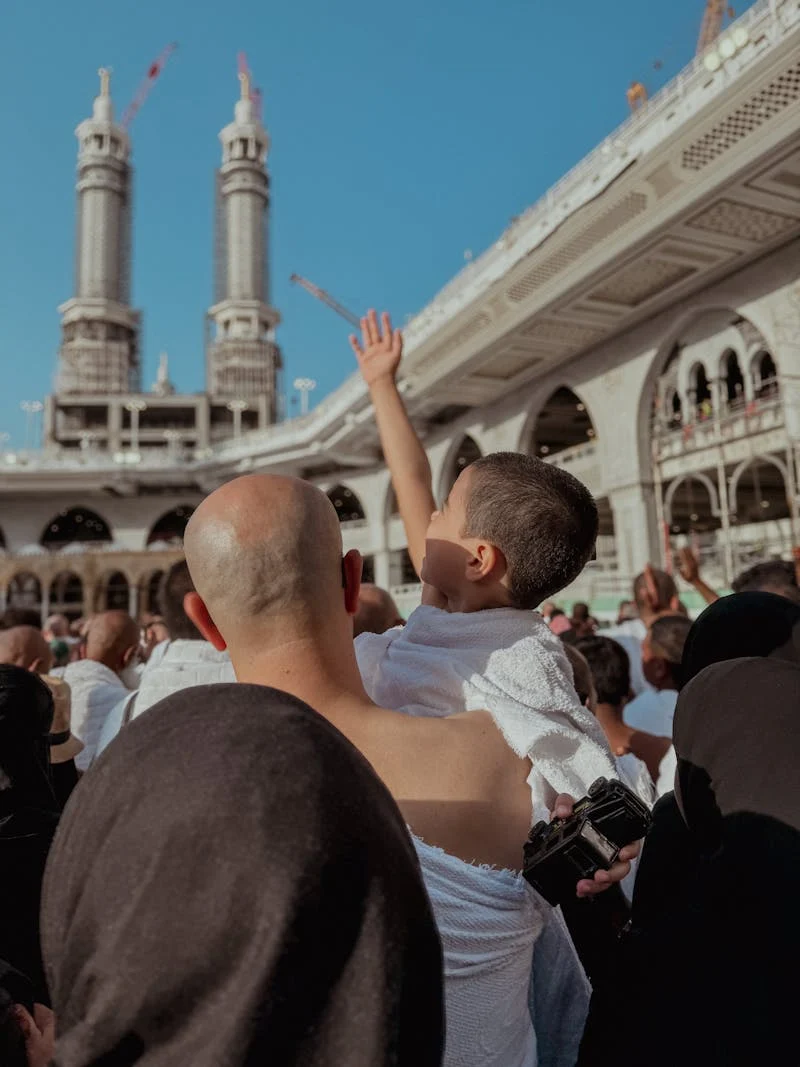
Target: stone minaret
{"x":242,"y":358}
{"x":100,"y":332}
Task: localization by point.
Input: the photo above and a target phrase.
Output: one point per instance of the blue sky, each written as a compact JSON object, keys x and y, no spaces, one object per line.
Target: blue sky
{"x":402,"y":135}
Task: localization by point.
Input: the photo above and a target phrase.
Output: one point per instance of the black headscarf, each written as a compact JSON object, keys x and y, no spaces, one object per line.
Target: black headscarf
{"x":232,"y":885}
{"x":28,"y":817}
{"x":745,"y":624}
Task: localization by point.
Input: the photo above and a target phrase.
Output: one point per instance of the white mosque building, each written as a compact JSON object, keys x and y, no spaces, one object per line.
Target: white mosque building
{"x":639,"y":326}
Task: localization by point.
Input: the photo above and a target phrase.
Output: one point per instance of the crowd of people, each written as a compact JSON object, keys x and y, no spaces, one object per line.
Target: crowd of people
{"x":280,"y":824}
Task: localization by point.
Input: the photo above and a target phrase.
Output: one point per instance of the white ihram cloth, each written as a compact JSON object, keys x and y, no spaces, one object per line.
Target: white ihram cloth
{"x":95,"y":690}
{"x":506,"y":662}
{"x":489,"y":921}
{"x":503,"y":661}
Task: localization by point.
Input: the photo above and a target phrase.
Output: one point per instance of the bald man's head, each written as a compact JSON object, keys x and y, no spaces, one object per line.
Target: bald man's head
{"x":112,"y":638}
{"x":25,"y":646}
{"x":377,"y":612}
{"x":265,"y":546}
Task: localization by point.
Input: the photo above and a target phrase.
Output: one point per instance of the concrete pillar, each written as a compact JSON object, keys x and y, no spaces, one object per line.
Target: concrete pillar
{"x":383,"y":568}
{"x":114,"y":426}
{"x":635,"y":529}
{"x":133,"y":600}
{"x":45,"y":587}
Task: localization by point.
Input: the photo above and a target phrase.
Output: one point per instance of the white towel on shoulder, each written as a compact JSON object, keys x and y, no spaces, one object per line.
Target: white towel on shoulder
{"x":503,"y":661}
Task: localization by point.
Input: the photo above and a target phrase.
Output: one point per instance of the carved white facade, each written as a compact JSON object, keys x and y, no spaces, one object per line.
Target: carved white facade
{"x":640,"y":326}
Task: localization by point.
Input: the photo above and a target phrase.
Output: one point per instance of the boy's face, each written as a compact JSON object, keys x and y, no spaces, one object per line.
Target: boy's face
{"x":446,"y":550}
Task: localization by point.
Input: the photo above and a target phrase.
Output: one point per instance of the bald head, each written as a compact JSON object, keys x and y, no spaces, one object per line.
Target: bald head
{"x":377,"y":612}
{"x":25,"y":646}
{"x":264,"y":547}
{"x":112,"y":638}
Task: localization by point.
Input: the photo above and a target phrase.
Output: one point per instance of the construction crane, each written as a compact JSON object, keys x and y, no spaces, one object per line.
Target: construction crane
{"x":146,"y":85}
{"x":326,"y":298}
{"x":713,"y":17}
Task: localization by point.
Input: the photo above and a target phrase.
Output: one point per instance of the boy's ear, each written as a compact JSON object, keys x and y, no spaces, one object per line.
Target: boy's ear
{"x":486,"y":561}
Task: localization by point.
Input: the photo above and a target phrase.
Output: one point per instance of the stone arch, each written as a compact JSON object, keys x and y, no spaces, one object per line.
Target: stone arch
{"x":75,"y":525}
{"x":731,"y":379}
{"x":765,"y":375}
{"x":149,"y":589}
{"x":700,"y":391}
{"x":170,"y":527}
{"x":24,"y":591}
{"x":757,"y":493}
{"x":563,"y":422}
{"x":463,"y":452}
{"x":347,"y":505}
{"x":66,"y":595}
{"x":112,"y":592}
{"x":684,"y":511}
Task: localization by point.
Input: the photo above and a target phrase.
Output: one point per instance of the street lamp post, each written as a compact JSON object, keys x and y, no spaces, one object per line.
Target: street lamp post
{"x":304,"y":386}
{"x":135,"y":407}
{"x":31,"y":409}
{"x":237,"y":407}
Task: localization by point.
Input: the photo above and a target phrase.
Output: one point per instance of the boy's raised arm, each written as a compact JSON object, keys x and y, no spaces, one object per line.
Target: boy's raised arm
{"x":379,"y":353}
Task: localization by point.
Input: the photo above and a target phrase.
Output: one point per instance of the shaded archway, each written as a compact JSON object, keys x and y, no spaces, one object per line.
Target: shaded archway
{"x":466,"y":452}
{"x":170,"y":528}
{"x":391,"y":509}
{"x":701,"y":392}
{"x":765,"y":376}
{"x":149,"y":589}
{"x":66,"y":595}
{"x":732,"y":380}
{"x":114,"y":592}
{"x":368,"y":570}
{"x":75,"y":525}
{"x":691,"y":505}
{"x":24,"y":591}
{"x":564,"y":422}
{"x":401,"y":569}
{"x":346,"y":504}
{"x":759,"y":491}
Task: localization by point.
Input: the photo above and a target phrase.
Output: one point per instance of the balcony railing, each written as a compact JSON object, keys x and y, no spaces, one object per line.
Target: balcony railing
{"x":741,"y":420}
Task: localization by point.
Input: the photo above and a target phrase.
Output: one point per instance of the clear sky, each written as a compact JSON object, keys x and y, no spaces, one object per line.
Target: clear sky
{"x":402,"y":135}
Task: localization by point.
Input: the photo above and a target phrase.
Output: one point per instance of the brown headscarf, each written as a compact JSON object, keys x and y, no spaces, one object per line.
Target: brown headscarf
{"x":232,"y":885}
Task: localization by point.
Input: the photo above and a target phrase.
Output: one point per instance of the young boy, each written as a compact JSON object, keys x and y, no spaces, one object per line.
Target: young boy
{"x":513,"y":532}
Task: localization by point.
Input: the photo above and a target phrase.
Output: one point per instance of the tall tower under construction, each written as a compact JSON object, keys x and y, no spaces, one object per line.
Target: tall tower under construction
{"x":99,"y":351}
{"x":243,"y":359}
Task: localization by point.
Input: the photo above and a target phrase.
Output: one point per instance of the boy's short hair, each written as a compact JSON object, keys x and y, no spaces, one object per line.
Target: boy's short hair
{"x":611,"y":669}
{"x":667,"y":639}
{"x":542,"y":519}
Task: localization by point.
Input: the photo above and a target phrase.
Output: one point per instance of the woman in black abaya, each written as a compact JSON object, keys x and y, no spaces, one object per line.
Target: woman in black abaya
{"x":707,"y":973}
{"x":232,"y":885}
{"x":28,"y":817}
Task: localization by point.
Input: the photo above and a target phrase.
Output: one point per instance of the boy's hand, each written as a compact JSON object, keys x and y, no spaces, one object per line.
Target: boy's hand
{"x":380,"y":350}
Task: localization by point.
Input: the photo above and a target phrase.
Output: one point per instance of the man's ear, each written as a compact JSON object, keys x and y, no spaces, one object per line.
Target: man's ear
{"x":486,"y":561}
{"x":352,"y":567}
{"x":198,"y":613}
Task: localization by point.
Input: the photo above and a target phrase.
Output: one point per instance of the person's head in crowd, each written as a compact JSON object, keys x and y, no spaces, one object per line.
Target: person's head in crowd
{"x":662,"y":651}
{"x":13,"y":617}
{"x":112,"y":639}
{"x":175,"y":584}
{"x":25,"y":646}
{"x":611,"y":671}
{"x":774,"y":576}
{"x":547,"y":610}
{"x":560,"y":624}
{"x":739,"y":626}
{"x":582,"y":622}
{"x":654,"y":592}
{"x":282,"y":895}
{"x":377,"y":612}
{"x":61,"y":652}
{"x":627,"y":611}
{"x":56,"y":627}
{"x":513,"y":532}
{"x":259,"y":581}
{"x":581,"y":676}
